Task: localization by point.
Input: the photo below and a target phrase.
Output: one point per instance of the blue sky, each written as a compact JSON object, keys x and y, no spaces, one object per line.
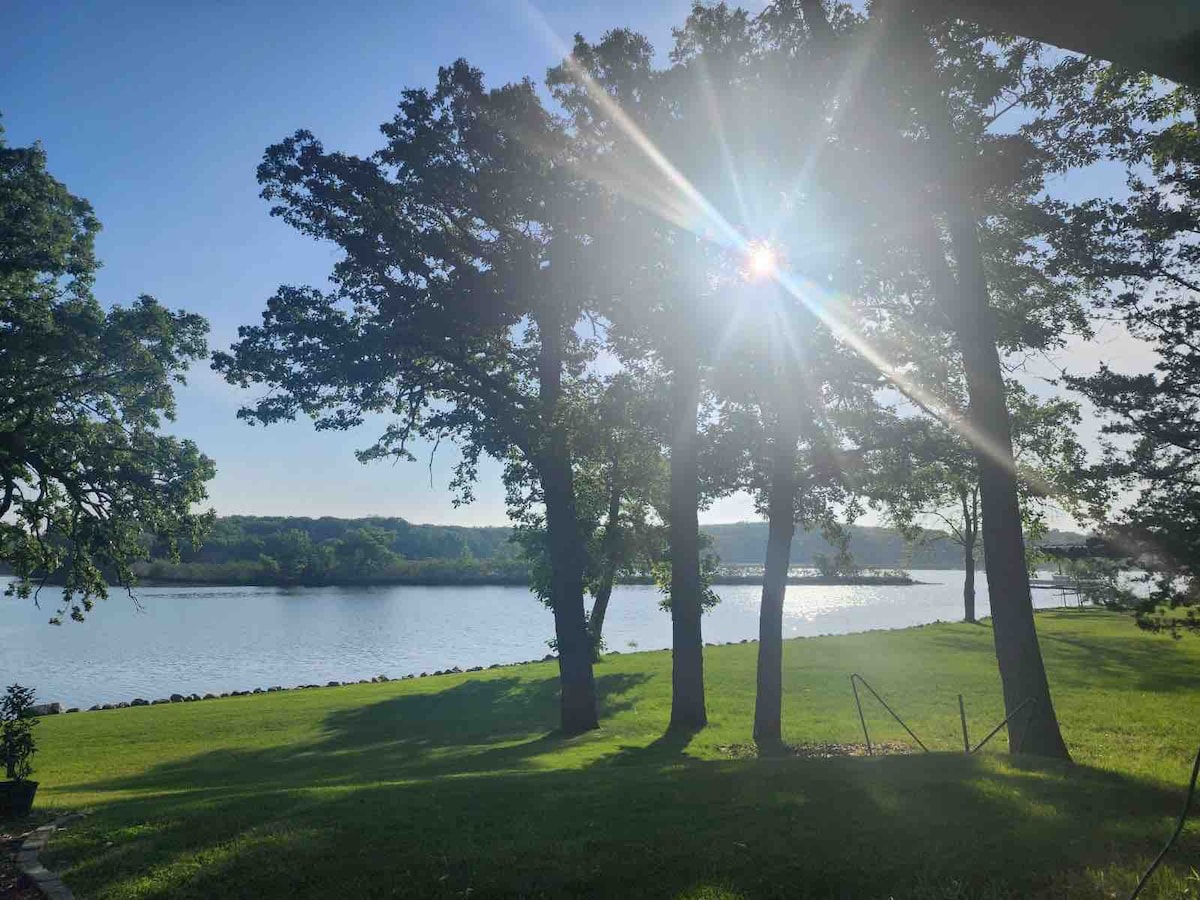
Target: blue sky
{"x":158,"y":113}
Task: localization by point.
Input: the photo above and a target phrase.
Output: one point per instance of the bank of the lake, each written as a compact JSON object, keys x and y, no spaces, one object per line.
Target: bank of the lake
{"x":458,"y":786}
{"x":219,"y":639}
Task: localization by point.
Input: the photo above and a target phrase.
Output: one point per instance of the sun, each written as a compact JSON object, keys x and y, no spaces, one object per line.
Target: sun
{"x":761,"y":261}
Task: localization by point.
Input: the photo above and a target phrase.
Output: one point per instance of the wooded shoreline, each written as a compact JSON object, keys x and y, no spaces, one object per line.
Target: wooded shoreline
{"x":495,"y":580}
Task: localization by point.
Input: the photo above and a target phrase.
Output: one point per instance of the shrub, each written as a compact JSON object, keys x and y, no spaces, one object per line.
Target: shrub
{"x":17,"y":745}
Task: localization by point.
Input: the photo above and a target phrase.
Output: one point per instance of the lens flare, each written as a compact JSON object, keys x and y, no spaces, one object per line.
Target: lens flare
{"x":762,"y":261}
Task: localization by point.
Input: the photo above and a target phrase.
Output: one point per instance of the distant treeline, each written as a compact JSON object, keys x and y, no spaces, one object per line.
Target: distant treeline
{"x":745,"y":543}
{"x":377,"y":550}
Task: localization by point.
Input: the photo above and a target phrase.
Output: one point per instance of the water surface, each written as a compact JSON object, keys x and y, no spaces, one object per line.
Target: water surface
{"x":202,"y":639}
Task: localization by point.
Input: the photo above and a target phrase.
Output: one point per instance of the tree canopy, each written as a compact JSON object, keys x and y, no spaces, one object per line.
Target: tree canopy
{"x":89,"y":480}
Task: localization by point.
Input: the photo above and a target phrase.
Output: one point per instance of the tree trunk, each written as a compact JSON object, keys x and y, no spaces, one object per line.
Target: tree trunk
{"x":1022,"y":670}
{"x":567,"y":552}
{"x":781,"y":526}
{"x":612,"y":545}
{"x":969,"y":582}
{"x":970,"y":535}
{"x":687,"y":669}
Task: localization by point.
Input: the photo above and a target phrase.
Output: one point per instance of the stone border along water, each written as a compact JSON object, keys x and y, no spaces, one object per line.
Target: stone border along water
{"x":27,"y":859}
{"x":48,"y":709}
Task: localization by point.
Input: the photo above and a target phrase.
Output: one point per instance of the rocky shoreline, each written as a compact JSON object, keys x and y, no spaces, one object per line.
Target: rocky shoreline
{"x":50,"y":709}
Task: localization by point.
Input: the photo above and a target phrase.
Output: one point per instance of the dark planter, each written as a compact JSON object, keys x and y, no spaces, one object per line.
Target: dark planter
{"x":16,"y":798}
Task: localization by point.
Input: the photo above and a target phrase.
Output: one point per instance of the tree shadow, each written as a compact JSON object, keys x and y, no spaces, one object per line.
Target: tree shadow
{"x":928,"y":826}
{"x":1099,"y":661}
{"x":477,"y":725}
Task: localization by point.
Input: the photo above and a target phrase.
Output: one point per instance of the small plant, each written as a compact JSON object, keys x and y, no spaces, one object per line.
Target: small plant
{"x":17,"y":745}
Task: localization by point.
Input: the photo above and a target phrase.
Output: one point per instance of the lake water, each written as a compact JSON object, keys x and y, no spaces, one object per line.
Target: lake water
{"x":201,"y":639}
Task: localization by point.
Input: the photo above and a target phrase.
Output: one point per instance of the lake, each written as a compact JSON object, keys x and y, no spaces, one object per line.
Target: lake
{"x":215,"y":639}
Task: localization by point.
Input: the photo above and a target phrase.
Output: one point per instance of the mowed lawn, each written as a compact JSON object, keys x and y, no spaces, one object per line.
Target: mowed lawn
{"x":458,"y":786}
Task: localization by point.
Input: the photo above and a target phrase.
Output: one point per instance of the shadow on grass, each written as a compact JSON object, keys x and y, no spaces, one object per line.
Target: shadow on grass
{"x":447,"y":794}
{"x":1102,"y":661}
{"x":940,"y":826}
{"x":478,"y":725}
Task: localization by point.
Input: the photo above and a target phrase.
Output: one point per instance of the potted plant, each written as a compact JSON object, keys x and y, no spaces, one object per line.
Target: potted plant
{"x":17,"y":747}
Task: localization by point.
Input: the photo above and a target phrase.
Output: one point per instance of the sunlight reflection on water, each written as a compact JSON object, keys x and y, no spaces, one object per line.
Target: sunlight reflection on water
{"x":238,"y":638}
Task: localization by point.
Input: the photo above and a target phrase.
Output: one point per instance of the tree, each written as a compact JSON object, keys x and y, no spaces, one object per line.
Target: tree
{"x":364,"y":551}
{"x":454,"y":308}
{"x":1140,"y":255}
{"x":951,"y":201}
{"x":620,"y":483}
{"x":661,"y":298}
{"x":88,"y":480}
{"x":957,"y":135}
{"x":941,"y":477}
{"x":623,"y":482}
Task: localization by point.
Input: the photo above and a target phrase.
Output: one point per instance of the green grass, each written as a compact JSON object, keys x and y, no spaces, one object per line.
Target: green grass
{"x":457,"y":786}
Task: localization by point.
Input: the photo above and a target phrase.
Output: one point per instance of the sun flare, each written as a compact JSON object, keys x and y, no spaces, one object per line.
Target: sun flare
{"x":762,"y":261}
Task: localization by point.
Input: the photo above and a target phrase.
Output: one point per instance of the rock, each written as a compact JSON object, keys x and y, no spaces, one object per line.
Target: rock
{"x":177,"y":698}
{"x":46,"y":709}
{"x":548,"y":657}
{"x":225,"y":694}
{"x":424,"y":674}
{"x":159,"y":700}
{"x":475,"y":669}
{"x":107,"y":706}
{"x":274,"y":689}
{"x":138,"y":701}
{"x":194,"y":697}
{"x":383,"y":678}
{"x":409,"y":675}
{"x":122,"y":705}
{"x":456,"y":670}
{"x":333,"y":684}
{"x":494,"y":666}
{"x":71,"y":709}
{"x":209,"y":697}
{"x":257,"y":691}
{"x":95,"y":708}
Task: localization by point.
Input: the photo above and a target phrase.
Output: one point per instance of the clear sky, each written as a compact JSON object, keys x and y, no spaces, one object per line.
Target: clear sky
{"x":158,"y":113}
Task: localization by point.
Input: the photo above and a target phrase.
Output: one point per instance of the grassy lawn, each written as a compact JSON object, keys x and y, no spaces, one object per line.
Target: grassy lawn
{"x":457,"y":786}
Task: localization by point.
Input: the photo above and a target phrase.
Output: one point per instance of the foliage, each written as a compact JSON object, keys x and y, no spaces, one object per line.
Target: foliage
{"x":454,"y":308}
{"x":17,"y":744}
{"x":1141,"y":254}
{"x":933,"y":474}
{"x":86,"y":476}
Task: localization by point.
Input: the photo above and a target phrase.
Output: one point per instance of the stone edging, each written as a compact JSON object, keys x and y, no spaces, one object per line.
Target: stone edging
{"x":27,"y":859}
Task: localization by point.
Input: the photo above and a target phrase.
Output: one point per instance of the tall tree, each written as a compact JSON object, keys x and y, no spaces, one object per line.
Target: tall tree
{"x":956,"y":234}
{"x":633,"y":139}
{"x":957,"y":126}
{"x":454,"y":309}
{"x":88,"y":480}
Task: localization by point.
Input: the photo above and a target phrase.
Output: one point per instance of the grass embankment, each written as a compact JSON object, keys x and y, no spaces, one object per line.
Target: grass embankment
{"x":457,"y":786}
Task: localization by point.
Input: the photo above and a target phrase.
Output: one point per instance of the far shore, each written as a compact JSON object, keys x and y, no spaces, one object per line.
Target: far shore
{"x":748,"y":579}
